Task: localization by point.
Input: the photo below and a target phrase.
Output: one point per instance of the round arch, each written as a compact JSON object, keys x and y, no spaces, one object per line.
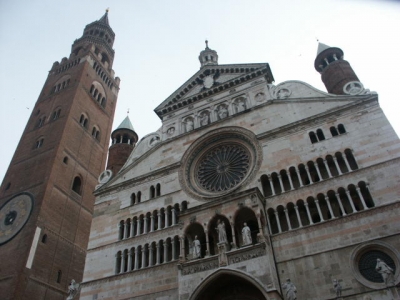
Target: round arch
{"x":227,"y":284}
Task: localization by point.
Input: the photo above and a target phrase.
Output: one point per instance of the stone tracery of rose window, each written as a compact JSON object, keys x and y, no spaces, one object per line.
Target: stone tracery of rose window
{"x":222,"y":168}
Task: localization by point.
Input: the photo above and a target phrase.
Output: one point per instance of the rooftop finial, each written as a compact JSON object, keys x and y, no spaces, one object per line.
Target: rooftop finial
{"x":206,"y":44}
{"x":128,"y":111}
{"x":107,"y":10}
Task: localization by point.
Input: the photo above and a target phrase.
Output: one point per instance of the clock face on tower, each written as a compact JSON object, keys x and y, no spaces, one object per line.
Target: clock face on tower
{"x":13,"y":216}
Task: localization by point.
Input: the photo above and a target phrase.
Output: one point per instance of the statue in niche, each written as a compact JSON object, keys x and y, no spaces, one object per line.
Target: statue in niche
{"x":171,"y":130}
{"x":385,"y":271}
{"x":204,"y":118}
{"x":283,"y":93}
{"x":189,"y":125}
{"x":337,"y":287}
{"x":240,"y":105}
{"x":246,"y":235}
{"x":291,"y":291}
{"x":154,"y":140}
{"x":196,"y":248}
{"x":222,"y":112}
{"x":221,"y":232}
{"x":73,"y":289}
{"x":260,"y":97}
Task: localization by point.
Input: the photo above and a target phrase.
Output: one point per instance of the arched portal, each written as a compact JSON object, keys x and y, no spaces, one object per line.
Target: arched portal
{"x":229,"y":285}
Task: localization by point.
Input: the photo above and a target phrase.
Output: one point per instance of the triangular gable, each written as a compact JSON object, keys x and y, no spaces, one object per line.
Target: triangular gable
{"x":210,"y":80}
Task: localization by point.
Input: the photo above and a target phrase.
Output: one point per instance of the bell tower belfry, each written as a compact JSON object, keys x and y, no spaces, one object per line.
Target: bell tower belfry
{"x":46,"y":199}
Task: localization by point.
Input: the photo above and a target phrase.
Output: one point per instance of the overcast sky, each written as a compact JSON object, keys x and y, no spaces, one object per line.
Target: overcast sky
{"x":158,"y":42}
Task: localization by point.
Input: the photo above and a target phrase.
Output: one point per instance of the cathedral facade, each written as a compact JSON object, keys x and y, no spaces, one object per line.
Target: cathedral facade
{"x":251,"y":190}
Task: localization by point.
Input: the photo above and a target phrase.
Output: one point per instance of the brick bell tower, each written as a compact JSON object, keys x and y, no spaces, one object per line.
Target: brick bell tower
{"x":46,"y":198}
{"x":336,"y":73}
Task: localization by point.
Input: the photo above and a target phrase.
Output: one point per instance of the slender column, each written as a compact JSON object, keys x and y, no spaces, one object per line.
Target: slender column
{"x":145,"y":225}
{"x":183,"y":253}
{"x":233,"y":235}
{"x":278,"y":221}
{"x":166,"y":219}
{"x":361,"y":197}
{"x":299,"y":177}
{"x":287,"y":219}
{"x":151,"y":223}
{"x":120,"y":139}
{"x":159,"y":220}
{"x":271,"y":184}
{"x":346,"y":162}
{"x":281,"y":183}
{"x":340,"y":204}
{"x":269,"y":224}
{"x":308,"y":213}
{"x":120,"y":226}
{"x":165,"y":252}
{"x":158,"y":254}
{"x":174,"y":248}
{"x":143,"y":257}
{"x":319,"y":210}
{"x":123,"y":262}
{"x":129,"y":141}
{"x":350,"y":200}
{"x":308,"y":174}
{"x":328,"y":202}
{"x":327,"y":168}
{"x":151,"y":256}
{"x":173,"y":212}
{"x":290,"y":180}
{"x":136,"y":259}
{"x":138,"y":226}
{"x":132,"y":228}
{"x":130,"y":260}
{"x":337,"y":165}
{"x":298,"y":215}
{"x":117,"y":266}
{"x":318,"y":171}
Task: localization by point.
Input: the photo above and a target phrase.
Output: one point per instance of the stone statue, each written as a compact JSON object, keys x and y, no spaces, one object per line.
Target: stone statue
{"x":246,"y":235}
{"x":171,"y":130}
{"x":385,"y":271}
{"x":189,"y":125}
{"x":196,"y":248}
{"x":337,"y":287}
{"x":240,"y":105}
{"x":221,"y":232}
{"x":73,"y":289}
{"x":204,"y":119}
{"x":154,"y":140}
{"x":222,"y":112}
{"x":290,"y":290}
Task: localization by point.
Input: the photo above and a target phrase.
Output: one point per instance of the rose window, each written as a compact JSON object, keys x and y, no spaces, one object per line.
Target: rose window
{"x":222,"y":168}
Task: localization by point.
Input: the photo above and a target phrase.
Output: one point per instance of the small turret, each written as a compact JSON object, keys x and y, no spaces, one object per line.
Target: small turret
{"x":335,"y":71}
{"x":208,"y":57}
{"x":124,"y":139}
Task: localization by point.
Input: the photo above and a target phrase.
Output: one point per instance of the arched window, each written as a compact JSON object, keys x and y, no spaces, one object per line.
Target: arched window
{"x":59,"y":275}
{"x":152,"y":192}
{"x":333,"y":130}
{"x":41,"y":121}
{"x":65,"y":160}
{"x":139,"y":197}
{"x":8,"y":186}
{"x":44,"y":238}
{"x":320,"y":135}
{"x":39,"y":143}
{"x":313,"y":137}
{"x":83,"y":121}
{"x":56,"y":114}
{"x":77,"y":185}
{"x":158,"y":190}
{"x":341,"y":129}
{"x":96,"y":133}
{"x":92,"y":89}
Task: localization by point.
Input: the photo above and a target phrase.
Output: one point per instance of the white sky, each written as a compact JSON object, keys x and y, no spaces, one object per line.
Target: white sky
{"x":158,"y":42}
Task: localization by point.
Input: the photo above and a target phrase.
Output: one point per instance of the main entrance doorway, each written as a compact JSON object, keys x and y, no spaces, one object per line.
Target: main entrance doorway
{"x":228,"y":285}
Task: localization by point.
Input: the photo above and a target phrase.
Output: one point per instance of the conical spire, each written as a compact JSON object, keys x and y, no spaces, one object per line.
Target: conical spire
{"x":321,"y":47}
{"x":104,"y":18}
{"x":126,"y":124}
